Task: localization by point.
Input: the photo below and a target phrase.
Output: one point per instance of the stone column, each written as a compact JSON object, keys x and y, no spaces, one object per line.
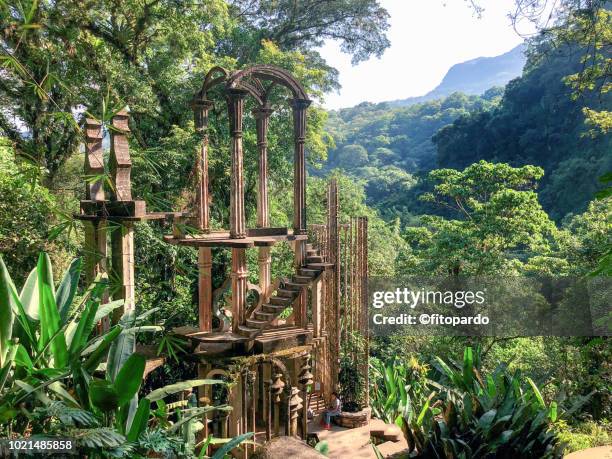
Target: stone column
{"x":239,"y":287}
{"x":94,"y":161}
{"x":317,"y":307}
{"x":201,"y":107}
{"x":299,"y":165}
{"x":262,"y":120}
{"x":95,"y":230}
{"x":120,"y":164}
{"x":205,"y":288}
{"x":122,"y":245}
{"x":305,"y":379}
{"x":235,"y":103}
{"x":264,"y":260}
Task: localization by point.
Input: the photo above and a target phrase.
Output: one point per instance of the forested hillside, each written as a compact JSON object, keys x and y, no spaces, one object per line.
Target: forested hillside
{"x":534,"y":120}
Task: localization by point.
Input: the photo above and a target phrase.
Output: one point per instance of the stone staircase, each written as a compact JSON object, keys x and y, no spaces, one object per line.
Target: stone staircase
{"x":285,"y":295}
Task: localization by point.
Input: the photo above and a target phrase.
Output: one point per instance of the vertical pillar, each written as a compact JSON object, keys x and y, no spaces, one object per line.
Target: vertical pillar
{"x":201,"y":107}
{"x":365,"y":307}
{"x":305,"y":379}
{"x":120,"y":164}
{"x":94,"y":161}
{"x":95,"y":230}
{"x":264,"y":260}
{"x":235,"y":103}
{"x":205,"y":288}
{"x":317,"y":309}
{"x":239,"y":287}
{"x":122,"y":235}
{"x":299,"y":165}
{"x":262,"y":120}
{"x":122,"y":245}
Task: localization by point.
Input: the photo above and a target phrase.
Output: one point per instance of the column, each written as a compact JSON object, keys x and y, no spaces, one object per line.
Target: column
{"x":205,"y":292}
{"x":94,"y":161}
{"x":120,"y":164}
{"x":201,"y":107}
{"x":317,"y":307}
{"x":239,"y":287}
{"x":264,"y":261}
{"x":122,"y":245}
{"x":262,"y":120}
{"x":299,"y":165}
{"x":235,"y":103}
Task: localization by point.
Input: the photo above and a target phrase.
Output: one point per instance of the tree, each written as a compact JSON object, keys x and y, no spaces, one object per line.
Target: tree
{"x":498,"y":222}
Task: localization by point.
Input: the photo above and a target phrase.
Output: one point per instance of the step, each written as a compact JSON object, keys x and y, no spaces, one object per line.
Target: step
{"x":254,"y":323}
{"x":309,"y":246}
{"x":281,"y":300}
{"x":248,"y":331}
{"x":319,"y":266}
{"x":309,"y":272}
{"x":285,"y":293}
{"x":295,"y":286}
{"x":314,"y":259}
{"x":272,"y":308}
{"x":261,"y":315}
{"x":301,"y":279}
{"x":312,"y":253}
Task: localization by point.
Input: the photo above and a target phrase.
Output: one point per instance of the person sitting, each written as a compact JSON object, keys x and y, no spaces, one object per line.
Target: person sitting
{"x":333,"y":410}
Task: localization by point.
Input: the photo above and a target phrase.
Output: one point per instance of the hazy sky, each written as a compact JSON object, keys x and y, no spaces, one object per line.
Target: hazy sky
{"x":427,"y":38}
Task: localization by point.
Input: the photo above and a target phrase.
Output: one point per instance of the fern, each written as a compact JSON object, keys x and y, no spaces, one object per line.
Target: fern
{"x":69,"y":416}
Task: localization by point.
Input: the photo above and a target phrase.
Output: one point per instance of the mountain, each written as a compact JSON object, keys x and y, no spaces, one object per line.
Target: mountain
{"x":475,"y":76}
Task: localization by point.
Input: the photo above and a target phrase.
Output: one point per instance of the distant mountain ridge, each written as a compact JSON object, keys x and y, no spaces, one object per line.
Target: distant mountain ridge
{"x":474,"y":76}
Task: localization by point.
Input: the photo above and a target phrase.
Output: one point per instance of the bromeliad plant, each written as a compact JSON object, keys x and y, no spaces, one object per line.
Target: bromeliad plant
{"x":456,"y":412}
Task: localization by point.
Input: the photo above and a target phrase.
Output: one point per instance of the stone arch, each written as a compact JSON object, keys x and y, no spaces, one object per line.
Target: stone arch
{"x":268,"y":73}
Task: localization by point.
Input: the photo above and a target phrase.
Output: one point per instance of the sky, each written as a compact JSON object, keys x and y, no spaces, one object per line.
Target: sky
{"x":427,"y":38}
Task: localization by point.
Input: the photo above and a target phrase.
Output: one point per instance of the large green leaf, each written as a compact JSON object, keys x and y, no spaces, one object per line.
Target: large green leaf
{"x":67,"y":288}
{"x":7,"y":315}
{"x":103,"y":395}
{"x":29,"y":295}
{"x":122,"y":348}
{"x":537,"y":393}
{"x":50,"y":322}
{"x":98,"y":354}
{"x":128,"y":380}
{"x":230,"y":445}
{"x":141,"y":418}
{"x":170,"y":389}
{"x":84,"y":328}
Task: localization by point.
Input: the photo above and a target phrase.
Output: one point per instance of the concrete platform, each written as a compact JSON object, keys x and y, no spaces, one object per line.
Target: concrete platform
{"x":602,"y":452}
{"x":355,"y":443}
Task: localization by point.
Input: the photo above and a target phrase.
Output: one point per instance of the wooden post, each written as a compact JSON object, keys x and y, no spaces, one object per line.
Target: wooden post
{"x":299,"y":165}
{"x":205,"y":288}
{"x":239,"y":287}
{"x":201,"y":107}
{"x":235,"y":103}
{"x":262,"y":120}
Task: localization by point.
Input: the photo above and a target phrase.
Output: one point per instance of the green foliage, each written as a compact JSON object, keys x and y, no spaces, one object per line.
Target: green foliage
{"x":25,"y":214}
{"x":499,"y":221}
{"x":469,"y":414}
{"x":538,"y":123}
